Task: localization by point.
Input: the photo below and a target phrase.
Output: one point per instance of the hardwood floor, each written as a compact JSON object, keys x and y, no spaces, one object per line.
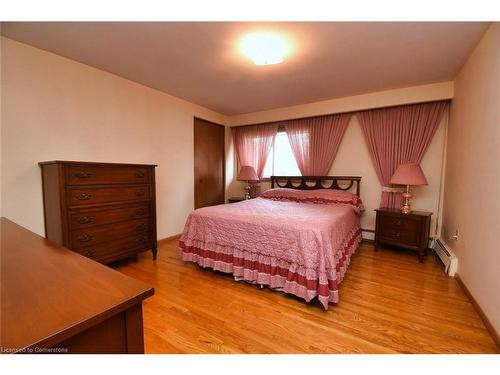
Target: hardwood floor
{"x":389,"y":303}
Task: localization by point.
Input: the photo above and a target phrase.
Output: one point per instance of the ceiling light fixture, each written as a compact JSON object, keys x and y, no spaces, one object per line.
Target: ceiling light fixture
{"x":264,"y":48}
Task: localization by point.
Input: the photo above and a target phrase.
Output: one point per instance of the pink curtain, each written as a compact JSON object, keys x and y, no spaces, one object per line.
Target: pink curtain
{"x":315,"y":141}
{"x":398,"y":135}
{"x":253,"y":143}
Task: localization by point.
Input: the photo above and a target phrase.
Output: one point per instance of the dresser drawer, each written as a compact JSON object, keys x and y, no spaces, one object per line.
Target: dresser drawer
{"x":119,"y":248}
{"x":85,"y":237}
{"x":92,"y":195}
{"x":399,"y":223}
{"x":89,"y":218}
{"x":399,"y":237}
{"x":94,"y":175}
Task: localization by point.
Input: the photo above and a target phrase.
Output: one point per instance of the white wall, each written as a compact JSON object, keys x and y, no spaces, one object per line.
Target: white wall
{"x":56,"y":108}
{"x":353,"y":157}
{"x":472,"y":190}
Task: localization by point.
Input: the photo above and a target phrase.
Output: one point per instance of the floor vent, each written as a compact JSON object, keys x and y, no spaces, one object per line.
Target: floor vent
{"x":447,"y":256}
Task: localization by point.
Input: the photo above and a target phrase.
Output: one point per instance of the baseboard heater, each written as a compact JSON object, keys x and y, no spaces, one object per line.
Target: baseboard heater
{"x":447,"y":256}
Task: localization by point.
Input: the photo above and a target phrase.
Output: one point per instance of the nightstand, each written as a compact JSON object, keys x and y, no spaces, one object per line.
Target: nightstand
{"x":235,"y":199}
{"x":410,"y":231}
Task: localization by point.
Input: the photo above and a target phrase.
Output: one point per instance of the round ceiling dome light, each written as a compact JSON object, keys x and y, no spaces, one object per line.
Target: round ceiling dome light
{"x":264,"y":48}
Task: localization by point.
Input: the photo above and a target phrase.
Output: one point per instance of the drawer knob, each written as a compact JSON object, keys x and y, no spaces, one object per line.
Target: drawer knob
{"x":85,"y":238}
{"x":139,"y":174}
{"x":398,"y":222}
{"x":141,"y":226}
{"x":140,"y":212}
{"x":398,"y":234}
{"x":89,"y":253}
{"x":142,"y":240}
{"x":84,"y":197}
{"x":85,"y":219}
{"x":140,"y":193}
{"x":82,"y":174}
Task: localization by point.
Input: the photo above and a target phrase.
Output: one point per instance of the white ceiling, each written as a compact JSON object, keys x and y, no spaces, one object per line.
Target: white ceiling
{"x":200,"y":62}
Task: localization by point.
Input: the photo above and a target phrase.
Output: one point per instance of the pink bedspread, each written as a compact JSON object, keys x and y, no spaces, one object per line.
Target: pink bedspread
{"x":299,"y":248}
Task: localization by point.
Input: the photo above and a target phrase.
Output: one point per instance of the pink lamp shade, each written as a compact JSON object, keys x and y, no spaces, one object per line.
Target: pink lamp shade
{"x":247,"y":173}
{"x":409,"y":174}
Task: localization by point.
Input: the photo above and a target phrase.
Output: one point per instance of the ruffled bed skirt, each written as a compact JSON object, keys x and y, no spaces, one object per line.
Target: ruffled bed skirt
{"x":275,"y":273}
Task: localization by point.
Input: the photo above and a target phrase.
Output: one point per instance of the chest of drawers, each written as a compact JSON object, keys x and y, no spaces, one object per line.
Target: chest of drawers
{"x":105,"y":211}
{"x":410,"y":231}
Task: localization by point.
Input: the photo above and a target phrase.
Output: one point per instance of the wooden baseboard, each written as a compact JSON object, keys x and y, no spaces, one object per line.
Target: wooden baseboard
{"x":482,"y":315}
{"x":168,"y":239}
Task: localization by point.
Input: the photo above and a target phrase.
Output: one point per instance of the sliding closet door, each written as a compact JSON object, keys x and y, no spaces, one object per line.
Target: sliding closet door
{"x":209,"y":163}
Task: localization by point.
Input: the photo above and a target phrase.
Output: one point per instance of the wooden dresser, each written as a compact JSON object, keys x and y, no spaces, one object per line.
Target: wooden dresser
{"x":56,"y":301}
{"x":104,"y":211}
{"x":410,"y":231}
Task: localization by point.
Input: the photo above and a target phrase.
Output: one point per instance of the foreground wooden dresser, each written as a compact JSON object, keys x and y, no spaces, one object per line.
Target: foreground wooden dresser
{"x":56,"y":301}
{"x":104,"y":211}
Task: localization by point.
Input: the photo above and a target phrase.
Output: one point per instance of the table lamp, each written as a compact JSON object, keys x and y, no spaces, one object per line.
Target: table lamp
{"x":248,"y":174}
{"x":408,"y":174}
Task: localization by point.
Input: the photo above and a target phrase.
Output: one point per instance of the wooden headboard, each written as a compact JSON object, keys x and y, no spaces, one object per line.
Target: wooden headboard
{"x":316,"y":182}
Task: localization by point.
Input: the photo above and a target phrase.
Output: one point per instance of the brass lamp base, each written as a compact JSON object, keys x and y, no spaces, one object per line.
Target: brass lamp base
{"x":247,"y":191}
{"x":406,"y":208}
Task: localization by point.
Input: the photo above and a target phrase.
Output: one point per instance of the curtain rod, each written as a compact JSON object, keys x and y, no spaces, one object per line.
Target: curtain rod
{"x":339,"y":113}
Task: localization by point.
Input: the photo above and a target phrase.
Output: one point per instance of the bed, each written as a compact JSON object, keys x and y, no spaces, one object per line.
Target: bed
{"x":298,"y":237}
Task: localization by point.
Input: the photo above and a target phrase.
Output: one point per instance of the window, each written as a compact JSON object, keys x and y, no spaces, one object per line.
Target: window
{"x":281,"y":161}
